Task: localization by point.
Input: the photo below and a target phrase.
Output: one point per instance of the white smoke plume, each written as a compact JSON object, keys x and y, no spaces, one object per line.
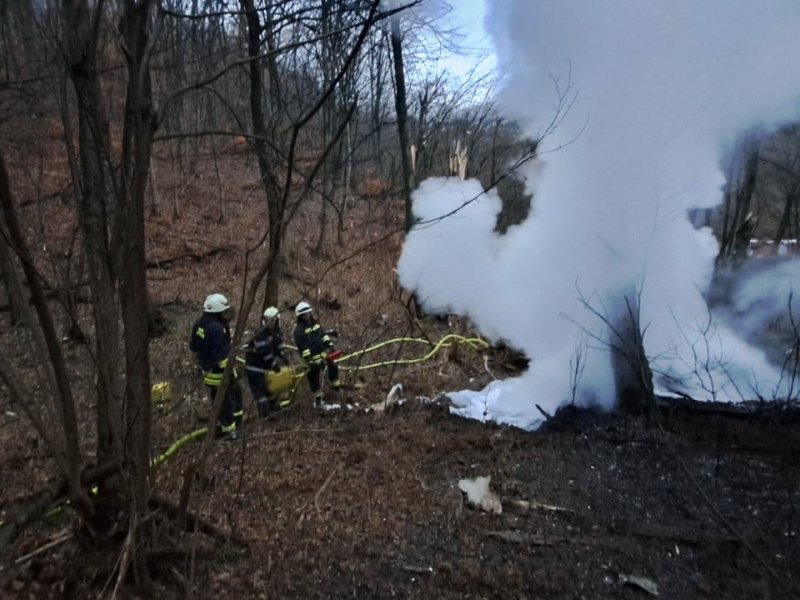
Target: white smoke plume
{"x":764,"y":303}
{"x":662,"y":90}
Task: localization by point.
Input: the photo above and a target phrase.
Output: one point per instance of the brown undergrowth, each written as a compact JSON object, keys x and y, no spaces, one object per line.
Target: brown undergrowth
{"x":358,"y":504}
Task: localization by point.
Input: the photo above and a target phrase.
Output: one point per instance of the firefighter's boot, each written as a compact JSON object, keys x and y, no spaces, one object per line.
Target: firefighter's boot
{"x":263,"y":407}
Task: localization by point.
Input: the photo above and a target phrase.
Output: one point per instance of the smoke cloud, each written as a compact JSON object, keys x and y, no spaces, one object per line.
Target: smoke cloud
{"x":652,"y":94}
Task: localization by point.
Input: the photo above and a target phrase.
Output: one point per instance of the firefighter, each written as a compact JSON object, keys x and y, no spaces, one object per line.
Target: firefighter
{"x":211,"y":343}
{"x":264,"y":352}
{"x":314,"y":344}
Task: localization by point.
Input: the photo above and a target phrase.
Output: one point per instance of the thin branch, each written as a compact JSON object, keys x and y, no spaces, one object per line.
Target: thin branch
{"x":366,"y":24}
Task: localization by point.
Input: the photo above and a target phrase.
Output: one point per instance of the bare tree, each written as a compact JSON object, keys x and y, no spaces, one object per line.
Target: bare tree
{"x":401,"y":109}
{"x":8,"y":272}
{"x":278,"y":164}
{"x":739,"y":223}
{"x":110,"y":204}
{"x":779,"y":185}
{"x":63,"y":440}
{"x":624,"y":337}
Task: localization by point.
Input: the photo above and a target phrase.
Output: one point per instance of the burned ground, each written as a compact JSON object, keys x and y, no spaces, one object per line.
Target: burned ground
{"x":358,"y":504}
{"x":361,"y":505}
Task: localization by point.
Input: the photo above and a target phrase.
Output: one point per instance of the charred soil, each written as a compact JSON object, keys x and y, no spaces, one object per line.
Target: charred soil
{"x":352,"y":504}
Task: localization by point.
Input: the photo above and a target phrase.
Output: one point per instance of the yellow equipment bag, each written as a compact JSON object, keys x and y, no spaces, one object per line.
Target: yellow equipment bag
{"x":161,"y":393}
{"x":280,"y":382}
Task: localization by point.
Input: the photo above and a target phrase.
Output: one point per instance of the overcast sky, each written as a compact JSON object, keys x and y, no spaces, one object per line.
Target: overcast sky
{"x":467,"y":16}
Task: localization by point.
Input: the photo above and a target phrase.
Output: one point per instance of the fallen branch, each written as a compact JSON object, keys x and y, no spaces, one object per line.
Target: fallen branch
{"x":182,"y":581}
{"x":551,"y":507}
{"x":743,"y":410}
{"x":517,"y":537}
{"x":54,"y":293}
{"x":193,"y":522}
{"x":16,"y":522}
{"x":322,"y":489}
{"x":547,"y":415}
{"x":640,"y":583}
{"x":125,"y":557}
{"x":42,"y":549}
{"x":694,"y":537}
{"x":486,"y":366}
{"x":417,"y":570}
{"x":194,"y":256}
{"x":39,"y":503}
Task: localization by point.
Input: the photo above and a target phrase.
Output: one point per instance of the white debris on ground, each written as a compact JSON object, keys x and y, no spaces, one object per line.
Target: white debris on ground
{"x":491,"y":404}
{"x":393,"y":398}
{"x":480,"y":496}
{"x":642,"y":583}
{"x":331,"y":406}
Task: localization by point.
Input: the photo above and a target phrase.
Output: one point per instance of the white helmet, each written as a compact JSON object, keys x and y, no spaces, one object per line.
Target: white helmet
{"x":302,"y":308}
{"x":216,"y":303}
{"x":271,"y":313}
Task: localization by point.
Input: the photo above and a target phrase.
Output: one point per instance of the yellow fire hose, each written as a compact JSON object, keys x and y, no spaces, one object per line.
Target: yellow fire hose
{"x":448,"y":340}
{"x":289,"y":377}
{"x":198,"y":433}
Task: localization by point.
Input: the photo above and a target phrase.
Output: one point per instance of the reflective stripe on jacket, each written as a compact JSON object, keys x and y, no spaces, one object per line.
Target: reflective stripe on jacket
{"x":211,"y":343}
{"x":312,"y":341}
{"x":214,"y":376}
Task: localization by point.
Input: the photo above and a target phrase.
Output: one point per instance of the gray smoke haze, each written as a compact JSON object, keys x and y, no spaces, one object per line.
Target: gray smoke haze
{"x":764,"y":304}
{"x":663,"y":88}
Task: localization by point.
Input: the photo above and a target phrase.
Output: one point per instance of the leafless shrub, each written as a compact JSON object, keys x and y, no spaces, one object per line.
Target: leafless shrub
{"x":790,"y":369}
{"x":577,"y":364}
{"x":633,"y":377}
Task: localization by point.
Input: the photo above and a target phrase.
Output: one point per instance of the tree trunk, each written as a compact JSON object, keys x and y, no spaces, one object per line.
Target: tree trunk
{"x":111,"y":205}
{"x":347,"y":183}
{"x":139,"y":129}
{"x":739,"y":225}
{"x":401,"y":108}
{"x":267,"y":160}
{"x":8,"y":270}
{"x":632,"y":375}
{"x":786,"y":216}
{"x":61,"y":388}
{"x":81,"y":38}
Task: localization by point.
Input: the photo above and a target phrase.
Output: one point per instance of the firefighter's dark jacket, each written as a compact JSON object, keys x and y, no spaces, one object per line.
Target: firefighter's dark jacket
{"x":211,"y":343}
{"x":264,"y":349}
{"x":312,"y":341}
